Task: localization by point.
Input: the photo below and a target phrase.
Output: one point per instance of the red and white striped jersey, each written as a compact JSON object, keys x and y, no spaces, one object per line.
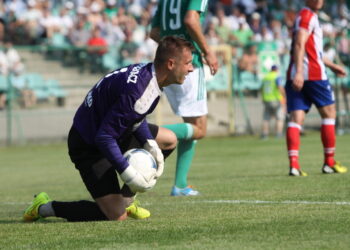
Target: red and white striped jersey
{"x":314,"y":68}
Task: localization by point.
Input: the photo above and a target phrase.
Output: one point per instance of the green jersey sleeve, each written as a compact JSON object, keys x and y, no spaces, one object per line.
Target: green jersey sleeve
{"x":198,"y":5}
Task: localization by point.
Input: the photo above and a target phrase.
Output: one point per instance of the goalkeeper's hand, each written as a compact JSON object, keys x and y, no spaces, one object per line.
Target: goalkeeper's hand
{"x":135,"y":181}
{"x":152,"y":147}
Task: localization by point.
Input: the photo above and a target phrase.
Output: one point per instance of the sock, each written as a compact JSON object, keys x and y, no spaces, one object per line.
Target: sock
{"x":328,"y":140}
{"x":167,"y":152}
{"x":185,"y":153}
{"x":46,"y":210}
{"x":293,"y":142}
{"x":78,"y":211}
{"x":183,"y":131}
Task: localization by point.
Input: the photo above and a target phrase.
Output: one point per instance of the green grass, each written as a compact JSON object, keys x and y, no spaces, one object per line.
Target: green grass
{"x":231,"y":173}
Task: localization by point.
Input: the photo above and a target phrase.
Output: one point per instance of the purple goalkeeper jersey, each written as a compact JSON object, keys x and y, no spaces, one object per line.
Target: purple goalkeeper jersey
{"x":116,"y":107}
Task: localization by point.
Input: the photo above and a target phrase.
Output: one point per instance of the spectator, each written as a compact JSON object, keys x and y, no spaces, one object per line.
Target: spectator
{"x":14,"y":61}
{"x":212,"y":36}
{"x":222,"y":27}
{"x":95,"y":16}
{"x":249,"y":60}
{"x":255,"y":25}
{"x":31,"y":20}
{"x":233,"y":18}
{"x":114,"y":34}
{"x":27,"y":95}
{"x":128,"y":49}
{"x":265,"y":35}
{"x":147,"y":50}
{"x":273,"y":96}
{"x":329,"y":52}
{"x":344,"y":47}
{"x":243,"y":35}
{"x":97,"y":47}
{"x":139,"y":34}
{"x":79,"y":35}
{"x":111,"y":9}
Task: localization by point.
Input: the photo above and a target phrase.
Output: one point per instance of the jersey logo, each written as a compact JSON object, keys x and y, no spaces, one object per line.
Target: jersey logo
{"x":134,"y":73}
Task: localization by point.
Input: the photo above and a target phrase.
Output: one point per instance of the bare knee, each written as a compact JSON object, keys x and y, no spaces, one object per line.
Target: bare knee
{"x":166,"y":139}
{"x":199,"y":126}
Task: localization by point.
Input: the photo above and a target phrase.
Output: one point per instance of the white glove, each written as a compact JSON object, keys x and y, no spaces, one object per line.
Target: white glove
{"x":135,"y":181}
{"x":152,"y":147}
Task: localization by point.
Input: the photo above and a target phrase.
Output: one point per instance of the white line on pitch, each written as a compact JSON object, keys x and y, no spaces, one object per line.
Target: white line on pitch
{"x":341,"y":203}
{"x":274,"y":202}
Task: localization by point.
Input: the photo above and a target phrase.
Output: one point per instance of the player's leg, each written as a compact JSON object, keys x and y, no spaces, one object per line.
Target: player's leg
{"x":280,"y":118}
{"x":166,"y":140}
{"x":189,"y":102}
{"x":266,"y":121}
{"x":322,"y":96}
{"x":107,"y":204}
{"x":110,"y":206}
{"x":99,"y":178}
{"x":297,"y":105}
{"x":328,"y":137}
{"x":293,"y":141}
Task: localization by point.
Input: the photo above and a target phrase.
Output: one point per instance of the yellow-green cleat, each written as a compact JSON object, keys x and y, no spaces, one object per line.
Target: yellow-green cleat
{"x":32,"y":212}
{"x":337,"y":168}
{"x":137,"y":212}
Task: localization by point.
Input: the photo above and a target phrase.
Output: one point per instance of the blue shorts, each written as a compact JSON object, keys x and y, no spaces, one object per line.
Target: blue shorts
{"x":319,"y":93}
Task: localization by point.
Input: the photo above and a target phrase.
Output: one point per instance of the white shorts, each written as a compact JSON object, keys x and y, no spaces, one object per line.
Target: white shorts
{"x":190,"y":98}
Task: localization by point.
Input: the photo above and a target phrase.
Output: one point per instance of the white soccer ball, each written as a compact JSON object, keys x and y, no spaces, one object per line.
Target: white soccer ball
{"x":142,"y":161}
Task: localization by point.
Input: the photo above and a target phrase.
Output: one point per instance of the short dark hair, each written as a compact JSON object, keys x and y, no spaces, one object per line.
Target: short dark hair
{"x":171,"y":46}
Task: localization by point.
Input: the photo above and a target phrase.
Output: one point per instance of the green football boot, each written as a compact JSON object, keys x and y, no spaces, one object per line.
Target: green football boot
{"x":137,"y":212}
{"x":32,"y":212}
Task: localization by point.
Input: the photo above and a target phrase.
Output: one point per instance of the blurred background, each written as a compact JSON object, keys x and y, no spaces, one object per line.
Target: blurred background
{"x":53,"y":52}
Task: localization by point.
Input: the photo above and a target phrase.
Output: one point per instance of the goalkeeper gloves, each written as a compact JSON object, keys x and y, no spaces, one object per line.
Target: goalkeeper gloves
{"x":152,"y":147}
{"x":135,"y":181}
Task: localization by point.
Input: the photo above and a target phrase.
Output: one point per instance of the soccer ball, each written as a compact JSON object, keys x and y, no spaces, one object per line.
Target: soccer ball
{"x":142,"y":161}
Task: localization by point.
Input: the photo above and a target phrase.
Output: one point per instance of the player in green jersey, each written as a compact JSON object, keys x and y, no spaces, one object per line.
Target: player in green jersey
{"x":184,"y":18}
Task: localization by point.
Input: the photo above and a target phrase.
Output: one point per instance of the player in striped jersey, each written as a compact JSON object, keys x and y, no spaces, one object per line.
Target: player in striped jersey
{"x":307,"y":84}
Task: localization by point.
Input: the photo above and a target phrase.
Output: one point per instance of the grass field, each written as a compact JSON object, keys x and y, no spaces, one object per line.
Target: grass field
{"x":247,"y":201}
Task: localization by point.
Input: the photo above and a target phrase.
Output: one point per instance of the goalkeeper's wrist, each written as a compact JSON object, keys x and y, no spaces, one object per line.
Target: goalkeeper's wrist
{"x":128,"y":174}
{"x":152,"y":143}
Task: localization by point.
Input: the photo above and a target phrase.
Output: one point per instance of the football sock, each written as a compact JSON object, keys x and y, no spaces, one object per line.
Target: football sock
{"x":293,"y":142}
{"x":328,"y":140}
{"x":183,"y":131}
{"x":185,"y":153}
{"x":167,"y":152}
{"x":46,"y":210}
{"x":78,"y":211}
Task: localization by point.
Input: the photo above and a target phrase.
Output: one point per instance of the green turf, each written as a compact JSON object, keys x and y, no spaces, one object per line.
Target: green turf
{"x":231,"y":173}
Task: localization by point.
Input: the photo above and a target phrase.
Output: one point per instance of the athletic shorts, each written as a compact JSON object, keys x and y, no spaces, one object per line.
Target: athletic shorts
{"x":97,"y":173}
{"x":190,"y":98}
{"x":319,"y":93}
{"x":273,"y":109}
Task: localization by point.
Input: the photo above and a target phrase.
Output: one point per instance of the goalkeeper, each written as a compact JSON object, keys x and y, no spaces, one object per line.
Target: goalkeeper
{"x":110,"y":121}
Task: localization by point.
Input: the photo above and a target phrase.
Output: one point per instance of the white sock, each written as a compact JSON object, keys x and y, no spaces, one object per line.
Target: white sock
{"x":46,"y":210}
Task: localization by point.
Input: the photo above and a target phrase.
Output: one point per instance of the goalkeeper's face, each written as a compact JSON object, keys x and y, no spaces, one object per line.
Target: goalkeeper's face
{"x":182,"y":66}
